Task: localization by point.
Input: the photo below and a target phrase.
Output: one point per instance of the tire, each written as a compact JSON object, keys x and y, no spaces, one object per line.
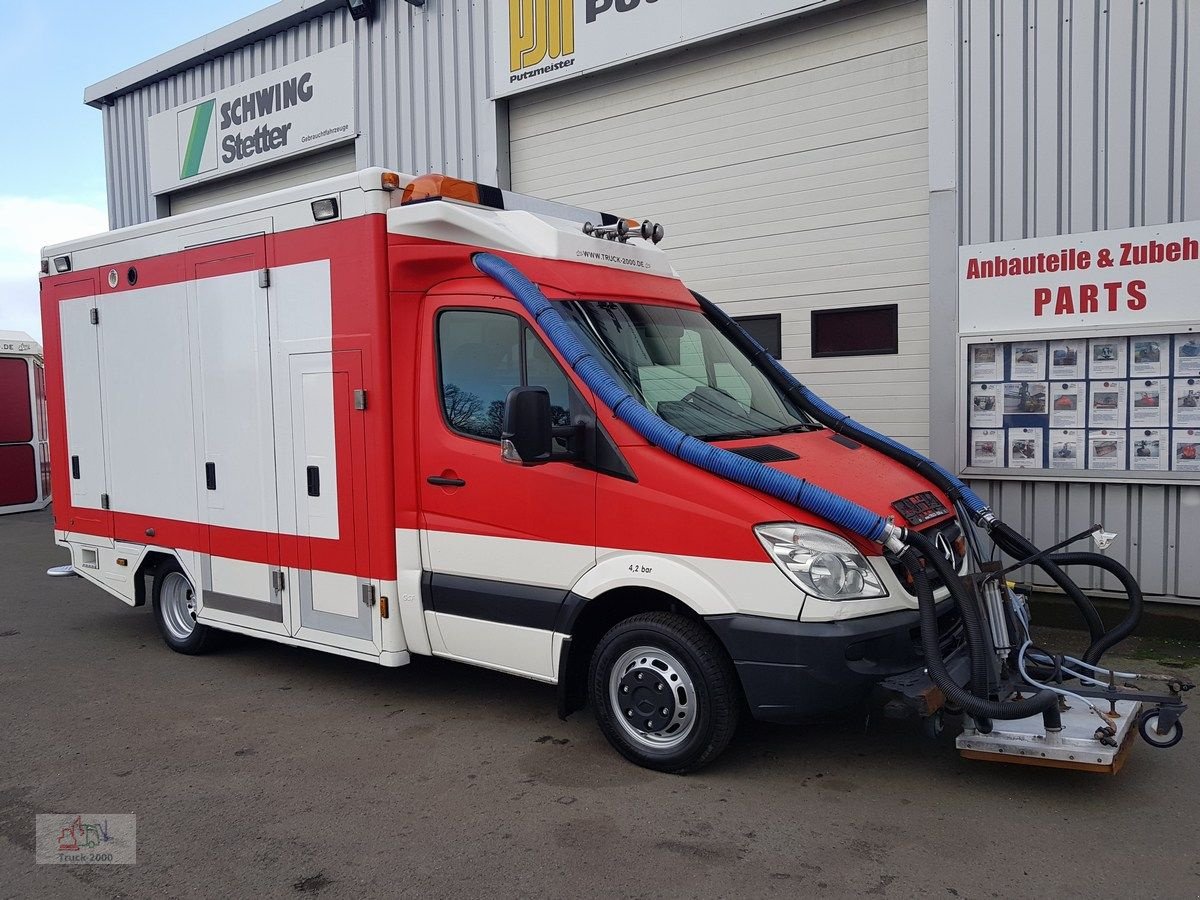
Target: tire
{"x":175,"y":612}
{"x":683,"y":695}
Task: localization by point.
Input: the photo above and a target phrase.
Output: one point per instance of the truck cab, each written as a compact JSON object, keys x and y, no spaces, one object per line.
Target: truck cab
{"x":384,"y":452}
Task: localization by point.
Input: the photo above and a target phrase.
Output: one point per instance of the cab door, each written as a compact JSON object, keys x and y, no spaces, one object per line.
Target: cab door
{"x":503,"y":543}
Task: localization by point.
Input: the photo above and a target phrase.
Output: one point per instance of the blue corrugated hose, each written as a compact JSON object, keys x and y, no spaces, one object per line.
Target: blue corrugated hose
{"x":730,"y":466}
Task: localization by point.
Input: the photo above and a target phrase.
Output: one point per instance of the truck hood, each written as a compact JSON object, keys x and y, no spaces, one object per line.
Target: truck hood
{"x":846,"y":468}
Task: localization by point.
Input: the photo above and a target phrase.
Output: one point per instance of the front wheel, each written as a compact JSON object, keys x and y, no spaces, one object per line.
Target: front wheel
{"x":175,"y":611}
{"x":664,"y":692}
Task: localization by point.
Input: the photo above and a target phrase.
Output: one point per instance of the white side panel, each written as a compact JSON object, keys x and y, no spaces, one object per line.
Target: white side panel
{"x":239,"y":578}
{"x":145,"y":364}
{"x":789,"y":167}
{"x":315,"y":448}
{"x":229,"y":313}
{"x":81,"y":384}
{"x":509,"y":648}
{"x":335,"y":593}
{"x":301,"y":321}
{"x":539,"y":563}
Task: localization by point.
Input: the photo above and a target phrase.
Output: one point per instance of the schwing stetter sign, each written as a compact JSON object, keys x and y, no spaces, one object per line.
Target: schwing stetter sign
{"x":1130,"y":277}
{"x":536,"y":42}
{"x":294,"y":109}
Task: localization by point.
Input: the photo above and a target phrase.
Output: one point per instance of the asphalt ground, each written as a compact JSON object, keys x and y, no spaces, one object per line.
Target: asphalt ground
{"x":266,"y":771}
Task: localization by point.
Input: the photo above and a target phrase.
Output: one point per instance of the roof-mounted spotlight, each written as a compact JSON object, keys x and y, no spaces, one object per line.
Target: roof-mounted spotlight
{"x":361,"y":9}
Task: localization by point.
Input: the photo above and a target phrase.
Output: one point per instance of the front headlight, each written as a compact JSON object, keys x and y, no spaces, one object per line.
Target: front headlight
{"x":820,"y":563}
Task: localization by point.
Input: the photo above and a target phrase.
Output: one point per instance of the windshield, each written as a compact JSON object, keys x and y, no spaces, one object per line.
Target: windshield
{"x":680,"y":366}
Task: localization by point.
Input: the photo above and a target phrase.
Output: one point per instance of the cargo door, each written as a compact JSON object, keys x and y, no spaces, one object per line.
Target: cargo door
{"x":85,"y":458}
{"x":235,"y":449}
{"x":322,"y":478}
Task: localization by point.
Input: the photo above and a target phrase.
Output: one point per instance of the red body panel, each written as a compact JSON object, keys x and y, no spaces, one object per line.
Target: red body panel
{"x":385,"y":289}
{"x":358,"y":274}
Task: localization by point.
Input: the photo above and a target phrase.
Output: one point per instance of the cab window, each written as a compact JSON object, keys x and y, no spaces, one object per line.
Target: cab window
{"x":482,"y":356}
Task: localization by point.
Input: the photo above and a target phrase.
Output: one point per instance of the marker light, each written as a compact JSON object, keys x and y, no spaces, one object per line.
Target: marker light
{"x":440,"y":187}
{"x":326,"y":209}
{"x":62,"y":264}
{"x":45,"y":266}
{"x":389,"y":181}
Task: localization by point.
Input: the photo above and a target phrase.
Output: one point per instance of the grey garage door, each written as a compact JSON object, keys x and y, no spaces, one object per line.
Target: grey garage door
{"x":789,"y":166}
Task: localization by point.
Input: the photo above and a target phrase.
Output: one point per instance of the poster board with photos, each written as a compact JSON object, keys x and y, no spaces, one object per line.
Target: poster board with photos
{"x":1092,"y":406}
{"x":1080,"y":355}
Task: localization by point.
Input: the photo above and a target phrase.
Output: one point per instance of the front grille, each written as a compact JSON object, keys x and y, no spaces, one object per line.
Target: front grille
{"x":952,"y":532}
{"x":951,"y":634}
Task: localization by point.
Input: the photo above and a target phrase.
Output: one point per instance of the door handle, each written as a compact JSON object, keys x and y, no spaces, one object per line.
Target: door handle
{"x":314,"y":481}
{"x":75,"y":467}
{"x":210,"y":476}
{"x":442,"y":481}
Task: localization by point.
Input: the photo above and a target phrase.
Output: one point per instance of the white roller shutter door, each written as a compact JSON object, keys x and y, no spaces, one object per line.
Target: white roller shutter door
{"x":789,"y":166}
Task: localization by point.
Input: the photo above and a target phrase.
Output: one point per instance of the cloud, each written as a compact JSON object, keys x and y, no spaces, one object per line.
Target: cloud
{"x":26,"y":225}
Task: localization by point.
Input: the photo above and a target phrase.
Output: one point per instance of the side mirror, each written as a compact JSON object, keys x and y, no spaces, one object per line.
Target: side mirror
{"x":528,"y":435}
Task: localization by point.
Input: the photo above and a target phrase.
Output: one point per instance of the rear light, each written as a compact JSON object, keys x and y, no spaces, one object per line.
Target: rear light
{"x":440,"y":187}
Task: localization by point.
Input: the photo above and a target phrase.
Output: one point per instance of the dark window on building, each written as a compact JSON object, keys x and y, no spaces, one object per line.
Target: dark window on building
{"x":767,"y":330}
{"x":863,"y":331}
{"x":483,"y":355}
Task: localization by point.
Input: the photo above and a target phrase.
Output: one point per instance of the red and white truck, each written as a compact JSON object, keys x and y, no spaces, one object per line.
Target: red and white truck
{"x":380,"y":415}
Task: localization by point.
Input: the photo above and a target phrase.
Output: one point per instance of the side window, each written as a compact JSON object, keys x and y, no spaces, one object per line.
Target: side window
{"x":484,"y":355}
{"x":541,"y":370}
{"x":480,"y":357}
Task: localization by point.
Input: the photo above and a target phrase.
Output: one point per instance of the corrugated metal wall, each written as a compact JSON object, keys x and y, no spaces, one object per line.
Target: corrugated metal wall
{"x":1078,"y":115}
{"x":422,"y":95}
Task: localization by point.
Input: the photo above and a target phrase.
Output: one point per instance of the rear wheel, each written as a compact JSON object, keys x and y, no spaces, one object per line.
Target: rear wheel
{"x":664,"y":692}
{"x":175,"y":611}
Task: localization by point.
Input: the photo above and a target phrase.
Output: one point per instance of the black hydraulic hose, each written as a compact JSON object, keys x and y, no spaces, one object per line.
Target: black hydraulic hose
{"x":1018,"y":546}
{"x":979,"y":647}
{"x":979,"y":708}
{"x":1125,"y":627}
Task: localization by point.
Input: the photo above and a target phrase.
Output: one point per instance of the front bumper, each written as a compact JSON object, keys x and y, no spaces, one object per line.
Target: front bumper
{"x":792,"y":671}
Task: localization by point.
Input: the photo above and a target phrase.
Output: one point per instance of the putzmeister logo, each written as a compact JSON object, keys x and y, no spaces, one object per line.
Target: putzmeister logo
{"x":538,"y":29}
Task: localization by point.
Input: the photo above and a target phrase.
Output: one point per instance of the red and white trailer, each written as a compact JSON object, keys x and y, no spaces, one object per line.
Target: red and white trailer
{"x":380,"y":416}
{"x":24,"y":458}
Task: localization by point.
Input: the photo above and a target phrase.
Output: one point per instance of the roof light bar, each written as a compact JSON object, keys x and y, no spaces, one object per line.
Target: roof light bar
{"x":435,"y":186}
{"x":442,"y":187}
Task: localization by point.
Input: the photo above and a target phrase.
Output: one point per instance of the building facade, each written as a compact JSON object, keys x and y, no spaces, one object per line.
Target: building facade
{"x":829,"y":172}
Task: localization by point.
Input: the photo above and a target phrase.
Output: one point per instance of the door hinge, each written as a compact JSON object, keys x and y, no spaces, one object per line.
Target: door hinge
{"x":277,"y":581}
{"x":368,"y":595}
{"x":104,"y":501}
{"x":94,"y":315}
{"x":264,"y":278}
{"x":360,"y":399}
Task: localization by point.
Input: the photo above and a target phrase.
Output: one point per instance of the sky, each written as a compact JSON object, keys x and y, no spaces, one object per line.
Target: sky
{"x":52,"y":154}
